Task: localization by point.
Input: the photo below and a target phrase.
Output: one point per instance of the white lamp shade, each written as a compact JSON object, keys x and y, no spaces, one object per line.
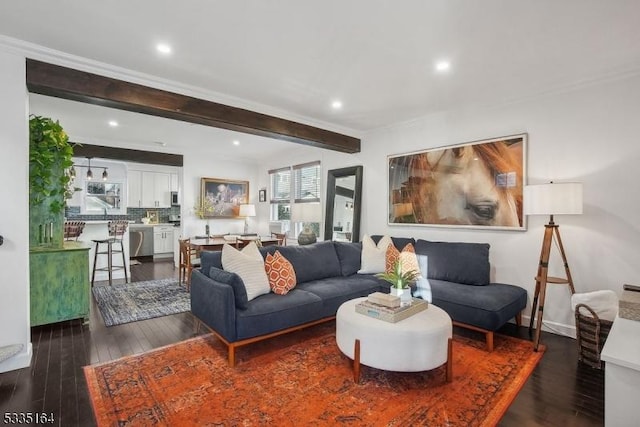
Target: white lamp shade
{"x":306,"y":212}
{"x":563,"y":198}
{"x":247,"y":210}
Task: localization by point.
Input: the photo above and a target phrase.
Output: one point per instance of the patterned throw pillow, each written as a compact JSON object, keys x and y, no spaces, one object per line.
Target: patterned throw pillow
{"x":407,"y":258}
{"x":392,"y":255}
{"x":282,"y":276}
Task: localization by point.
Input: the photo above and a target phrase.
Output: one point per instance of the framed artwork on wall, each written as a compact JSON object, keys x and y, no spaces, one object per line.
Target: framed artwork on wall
{"x":221,"y":198}
{"x":262,"y":195}
{"x":474,"y":185}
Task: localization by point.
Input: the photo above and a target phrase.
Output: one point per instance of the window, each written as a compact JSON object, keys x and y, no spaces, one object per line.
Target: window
{"x":307,"y":182}
{"x":102,"y":197}
{"x":294,"y":184}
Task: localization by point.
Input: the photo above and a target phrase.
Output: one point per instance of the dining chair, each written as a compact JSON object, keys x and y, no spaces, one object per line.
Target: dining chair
{"x":188,"y":260}
{"x":281,"y":237}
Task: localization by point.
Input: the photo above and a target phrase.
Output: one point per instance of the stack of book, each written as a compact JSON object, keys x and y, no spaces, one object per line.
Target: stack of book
{"x":385,"y":307}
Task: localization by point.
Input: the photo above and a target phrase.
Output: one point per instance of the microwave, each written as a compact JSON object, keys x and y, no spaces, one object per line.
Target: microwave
{"x":174,"y":199}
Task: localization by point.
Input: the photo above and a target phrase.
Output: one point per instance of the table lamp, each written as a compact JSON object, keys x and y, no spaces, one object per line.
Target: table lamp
{"x":550,"y":199}
{"x":247,"y":210}
{"x":306,"y":213}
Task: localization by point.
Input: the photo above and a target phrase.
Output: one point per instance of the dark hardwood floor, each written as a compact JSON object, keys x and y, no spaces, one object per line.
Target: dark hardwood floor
{"x":561,"y":391}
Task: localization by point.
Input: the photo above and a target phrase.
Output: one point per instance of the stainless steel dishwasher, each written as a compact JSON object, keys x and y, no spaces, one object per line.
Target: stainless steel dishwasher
{"x":140,"y":241}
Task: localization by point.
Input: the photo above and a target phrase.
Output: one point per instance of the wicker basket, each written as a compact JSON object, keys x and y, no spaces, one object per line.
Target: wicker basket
{"x":591,"y":334}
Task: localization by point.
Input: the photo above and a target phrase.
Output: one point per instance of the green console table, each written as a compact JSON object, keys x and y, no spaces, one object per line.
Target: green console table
{"x":59,"y":283}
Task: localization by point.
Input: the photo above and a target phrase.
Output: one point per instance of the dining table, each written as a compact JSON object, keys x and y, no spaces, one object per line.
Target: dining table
{"x":216,"y":243}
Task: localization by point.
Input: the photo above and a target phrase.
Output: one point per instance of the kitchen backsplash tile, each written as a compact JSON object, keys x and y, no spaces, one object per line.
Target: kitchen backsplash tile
{"x":133,"y":214}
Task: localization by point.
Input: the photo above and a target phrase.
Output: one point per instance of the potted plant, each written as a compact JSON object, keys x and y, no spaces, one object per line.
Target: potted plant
{"x":400,"y":281}
{"x":204,"y":209}
{"x":50,"y":160}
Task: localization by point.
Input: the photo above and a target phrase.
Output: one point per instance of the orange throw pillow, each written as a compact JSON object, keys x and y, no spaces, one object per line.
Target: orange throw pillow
{"x":392,"y":255}
{"x":282,"y":276}
{"x":407,"y":258}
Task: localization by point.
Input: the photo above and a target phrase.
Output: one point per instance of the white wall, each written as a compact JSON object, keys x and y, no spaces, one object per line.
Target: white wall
{"x":211,"y":165}
{"x":14,"y":210}
{"x":590,"y":135}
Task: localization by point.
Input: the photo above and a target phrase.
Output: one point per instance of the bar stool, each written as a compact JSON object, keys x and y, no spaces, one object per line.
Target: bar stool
{"x":116,"y":231}
{"x":73,"y":229}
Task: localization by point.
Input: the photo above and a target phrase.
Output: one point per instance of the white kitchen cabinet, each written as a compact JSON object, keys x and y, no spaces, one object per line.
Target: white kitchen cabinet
{"x":175,"y":184}
{"x":163,"y":239}
{"x":149,"y":189}
{"x":156,"y":189}
{"x":134,"y":195}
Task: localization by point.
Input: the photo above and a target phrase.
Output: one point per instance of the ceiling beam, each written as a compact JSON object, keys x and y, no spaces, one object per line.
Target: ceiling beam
{"x":67,"y":83}
{"x":127,"y":155}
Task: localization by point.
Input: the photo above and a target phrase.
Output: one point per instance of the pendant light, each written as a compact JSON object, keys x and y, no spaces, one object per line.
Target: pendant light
{"x":89,"y":173}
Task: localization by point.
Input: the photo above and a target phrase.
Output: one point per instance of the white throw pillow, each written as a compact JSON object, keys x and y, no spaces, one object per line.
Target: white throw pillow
{"x":249,"y":265}
{"x":373,"y":256}
{"x":603,"y":302}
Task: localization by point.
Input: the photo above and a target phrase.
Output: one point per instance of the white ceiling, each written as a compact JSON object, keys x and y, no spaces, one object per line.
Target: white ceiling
{"x":376,"y":56}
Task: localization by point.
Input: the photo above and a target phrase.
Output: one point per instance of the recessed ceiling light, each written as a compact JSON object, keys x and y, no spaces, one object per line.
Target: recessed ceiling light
{"x":163,"y":48}
{"x":236,"y":142}
{"x":336,"y":105}
{"x":442,"y":66}
{"x":161,"y":143}
{"x":113,"y":123}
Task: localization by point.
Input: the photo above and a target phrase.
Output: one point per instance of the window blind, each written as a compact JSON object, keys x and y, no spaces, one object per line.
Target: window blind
{"x":307,"y":182}
{"x":280,"y":185}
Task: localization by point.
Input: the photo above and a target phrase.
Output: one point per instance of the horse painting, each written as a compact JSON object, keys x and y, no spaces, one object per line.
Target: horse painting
{"x":478,"y":184}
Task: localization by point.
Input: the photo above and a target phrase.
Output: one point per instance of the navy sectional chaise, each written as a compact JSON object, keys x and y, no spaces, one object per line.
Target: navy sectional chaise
{"x":327,"y":276}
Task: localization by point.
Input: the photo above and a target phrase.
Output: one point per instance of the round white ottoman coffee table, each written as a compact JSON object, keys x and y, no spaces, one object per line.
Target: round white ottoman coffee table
{"x":418,"y":343}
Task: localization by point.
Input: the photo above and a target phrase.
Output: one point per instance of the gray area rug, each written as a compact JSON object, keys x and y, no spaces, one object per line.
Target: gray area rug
{"x":131,"y":302}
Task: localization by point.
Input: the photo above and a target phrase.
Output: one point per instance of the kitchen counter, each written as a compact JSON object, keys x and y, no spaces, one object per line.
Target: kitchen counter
{"x":95,"y":221}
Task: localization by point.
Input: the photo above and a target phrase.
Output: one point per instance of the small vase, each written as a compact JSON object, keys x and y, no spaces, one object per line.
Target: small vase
{"x":403,"y":294}
{"x":206,"y":230}
{"x":396,"y":291}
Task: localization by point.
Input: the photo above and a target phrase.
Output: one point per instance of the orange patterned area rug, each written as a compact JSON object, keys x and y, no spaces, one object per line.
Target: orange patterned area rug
{"x":309,"y":382}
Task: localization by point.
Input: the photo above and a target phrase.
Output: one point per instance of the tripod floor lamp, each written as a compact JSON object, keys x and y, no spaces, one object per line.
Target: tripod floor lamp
{"x":550,"y":199}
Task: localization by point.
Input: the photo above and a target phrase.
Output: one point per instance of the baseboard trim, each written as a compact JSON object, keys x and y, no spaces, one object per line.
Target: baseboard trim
{"x":19,"y":361}
{"x":554,"y":327}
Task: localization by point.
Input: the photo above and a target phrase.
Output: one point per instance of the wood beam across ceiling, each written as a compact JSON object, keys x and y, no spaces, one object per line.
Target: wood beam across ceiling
{"x":67,"y":83}
{"x":127,"y":155}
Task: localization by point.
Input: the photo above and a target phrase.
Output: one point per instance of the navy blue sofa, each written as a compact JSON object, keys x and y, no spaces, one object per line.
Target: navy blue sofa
{"x":327,"y":276}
